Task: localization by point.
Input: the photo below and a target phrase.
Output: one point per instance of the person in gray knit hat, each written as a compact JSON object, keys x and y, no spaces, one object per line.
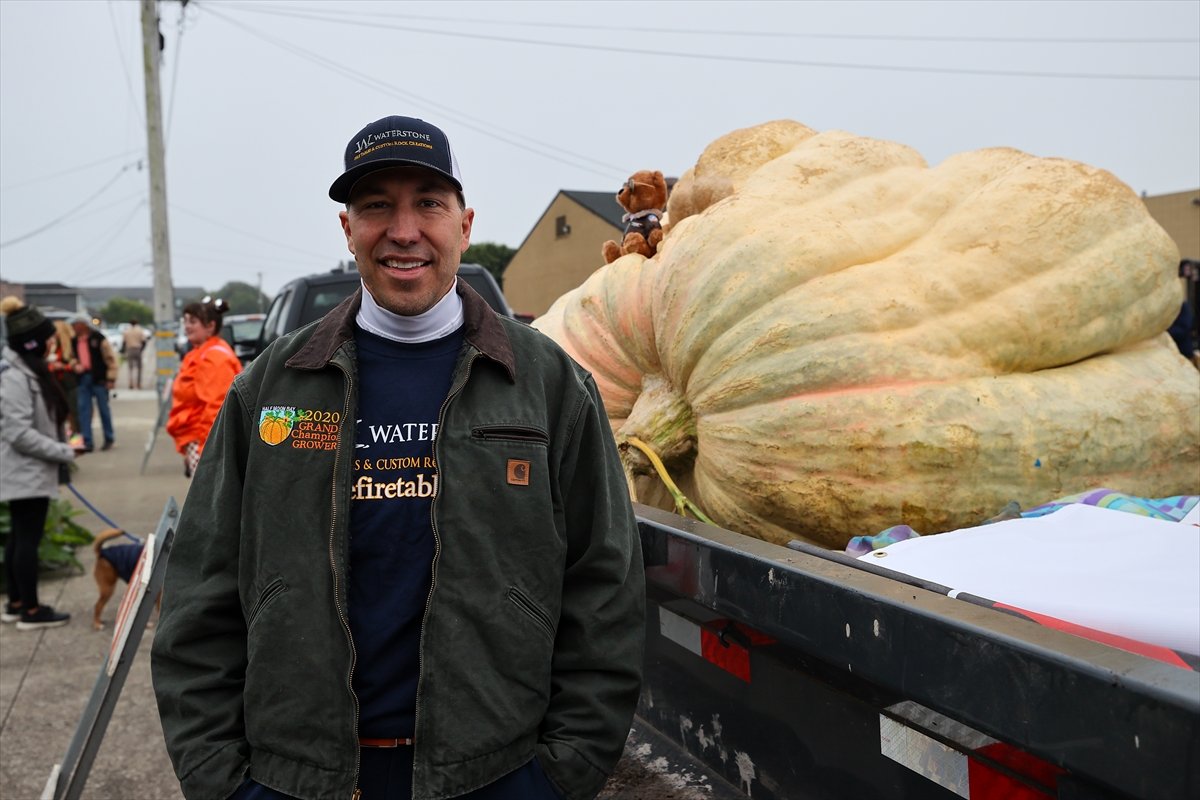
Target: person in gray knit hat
{"x":33,"y":453}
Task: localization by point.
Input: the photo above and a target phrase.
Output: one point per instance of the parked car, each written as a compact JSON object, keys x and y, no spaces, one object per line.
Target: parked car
{"x":181,"y":341}
{"x":242,"y":331}
{"x":115,"y":338}
{"x":309,"y":298}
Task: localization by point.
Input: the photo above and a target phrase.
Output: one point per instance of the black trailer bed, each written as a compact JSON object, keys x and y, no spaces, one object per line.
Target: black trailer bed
{"x":796,"y":676}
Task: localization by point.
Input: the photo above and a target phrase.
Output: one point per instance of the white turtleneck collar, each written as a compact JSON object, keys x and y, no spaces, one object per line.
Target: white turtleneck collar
{"x":445,"y":317}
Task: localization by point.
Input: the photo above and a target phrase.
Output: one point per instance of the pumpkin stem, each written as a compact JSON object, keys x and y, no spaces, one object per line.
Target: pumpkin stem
{"x":682,"y":503}
{"x":662,"y":419}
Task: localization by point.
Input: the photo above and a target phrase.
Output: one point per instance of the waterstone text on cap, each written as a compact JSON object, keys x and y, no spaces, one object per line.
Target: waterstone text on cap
{"x":395,"y":142}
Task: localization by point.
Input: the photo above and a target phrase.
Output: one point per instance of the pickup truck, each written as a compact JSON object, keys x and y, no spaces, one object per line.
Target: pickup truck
{"x":308,"y":298}
{"x":790,"y":673}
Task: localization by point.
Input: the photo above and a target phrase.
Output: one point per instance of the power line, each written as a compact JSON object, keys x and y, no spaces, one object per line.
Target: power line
{"x":67,"y":171}
{"x":339,"y":20}
{"x":121,"y":57}
{"x":191,"y":249}
{"x":518,"y":140}
{"x":139,"y":263}
{"x":724,"y":32}
{"x":175,"y":68}
{"x":253,"y":236}
{"x":66,"y":215}
{"x":92,"y":254}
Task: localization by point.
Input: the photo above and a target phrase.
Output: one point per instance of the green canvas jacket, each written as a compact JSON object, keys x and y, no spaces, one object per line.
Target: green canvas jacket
{"x":534,"y":627}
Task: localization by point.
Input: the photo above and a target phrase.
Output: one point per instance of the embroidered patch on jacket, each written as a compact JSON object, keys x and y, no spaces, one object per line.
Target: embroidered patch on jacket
{"x":275,"y":423}
{"x":518,"y":472}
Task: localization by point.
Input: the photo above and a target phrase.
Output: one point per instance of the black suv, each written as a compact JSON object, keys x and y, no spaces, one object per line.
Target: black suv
{"x":305,"y":299}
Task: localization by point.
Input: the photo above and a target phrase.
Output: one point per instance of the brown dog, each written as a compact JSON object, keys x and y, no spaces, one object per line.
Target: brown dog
{"x":113,"y":563}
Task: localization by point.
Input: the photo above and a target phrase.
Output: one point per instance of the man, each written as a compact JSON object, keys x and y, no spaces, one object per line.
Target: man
{"x":133,"y":341}
{"x":96,"y":371}
{"x":408,"y":565}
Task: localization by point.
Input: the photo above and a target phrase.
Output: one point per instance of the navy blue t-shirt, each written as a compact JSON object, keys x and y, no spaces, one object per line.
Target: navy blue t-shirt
{"x":401,"y":390}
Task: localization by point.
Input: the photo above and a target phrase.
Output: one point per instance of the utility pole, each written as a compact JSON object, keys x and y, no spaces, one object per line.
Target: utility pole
{"x":164,"y":293}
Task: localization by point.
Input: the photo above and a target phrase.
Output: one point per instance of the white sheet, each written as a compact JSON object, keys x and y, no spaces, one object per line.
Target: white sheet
{"x":1111,"y":570}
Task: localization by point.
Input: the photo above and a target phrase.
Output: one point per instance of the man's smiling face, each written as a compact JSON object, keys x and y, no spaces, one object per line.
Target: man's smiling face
{"x":407,"y":230}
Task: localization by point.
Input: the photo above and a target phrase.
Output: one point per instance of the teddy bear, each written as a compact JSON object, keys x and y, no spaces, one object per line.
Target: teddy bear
{"x":643,"y":197}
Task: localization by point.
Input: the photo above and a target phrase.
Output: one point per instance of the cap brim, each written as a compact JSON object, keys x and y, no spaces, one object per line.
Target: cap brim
{"x":339,"y":191}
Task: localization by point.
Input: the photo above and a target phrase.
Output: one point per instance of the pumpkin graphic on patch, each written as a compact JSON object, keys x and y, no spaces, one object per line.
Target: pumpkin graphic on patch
{"x":275,"y":424}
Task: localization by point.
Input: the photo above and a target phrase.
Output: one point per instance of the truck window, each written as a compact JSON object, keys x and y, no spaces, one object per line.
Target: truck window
{"x":322,"y":299}
{"x":270,"y":328}
{"x":482,"y":281}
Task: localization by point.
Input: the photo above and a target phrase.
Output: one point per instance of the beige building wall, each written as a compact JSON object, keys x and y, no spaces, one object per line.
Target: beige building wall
{"x":555,"y":258}
{"x":1179,"y":214}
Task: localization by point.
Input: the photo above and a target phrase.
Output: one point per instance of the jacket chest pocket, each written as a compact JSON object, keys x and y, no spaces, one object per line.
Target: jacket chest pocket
{"x":526,"y":434}
{"x":512,"y":457}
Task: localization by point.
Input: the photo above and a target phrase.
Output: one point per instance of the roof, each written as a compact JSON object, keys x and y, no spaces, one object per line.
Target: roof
{"x":602,"y":204}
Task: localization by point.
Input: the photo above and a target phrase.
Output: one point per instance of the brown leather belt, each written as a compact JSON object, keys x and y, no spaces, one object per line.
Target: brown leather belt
{"x":385,"y":742}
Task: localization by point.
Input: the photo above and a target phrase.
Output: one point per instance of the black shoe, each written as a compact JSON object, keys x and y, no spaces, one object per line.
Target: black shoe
{"x":44,"y":617}
{"x":107,"y":445}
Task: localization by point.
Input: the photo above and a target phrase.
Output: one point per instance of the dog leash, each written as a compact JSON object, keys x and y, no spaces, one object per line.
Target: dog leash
{"x":100,"y":514}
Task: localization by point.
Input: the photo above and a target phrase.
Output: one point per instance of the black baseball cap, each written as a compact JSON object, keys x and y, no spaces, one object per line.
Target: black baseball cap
{"x":395,"y":142}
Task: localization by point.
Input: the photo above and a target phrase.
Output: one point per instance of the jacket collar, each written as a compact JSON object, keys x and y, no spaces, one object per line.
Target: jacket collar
{"x":484,"y":331}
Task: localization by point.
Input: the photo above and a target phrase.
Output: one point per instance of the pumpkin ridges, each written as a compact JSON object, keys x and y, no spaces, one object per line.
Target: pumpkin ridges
{"x":748,"y":249}
{"x":891,"y":293}
{"x":845,"y":404}
{"x":969,"y":447}
{"x":726,"y":162}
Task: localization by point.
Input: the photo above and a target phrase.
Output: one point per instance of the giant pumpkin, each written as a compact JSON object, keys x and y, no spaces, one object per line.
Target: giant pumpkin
{"x":834,"y":338}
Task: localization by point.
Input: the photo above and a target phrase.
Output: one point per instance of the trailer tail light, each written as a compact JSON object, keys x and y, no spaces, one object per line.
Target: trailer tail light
{"x":961,"y":759}
{"x":721,"y":642}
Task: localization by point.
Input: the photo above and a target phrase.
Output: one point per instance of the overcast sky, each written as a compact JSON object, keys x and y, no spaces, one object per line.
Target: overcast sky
{"x":260,"y":99}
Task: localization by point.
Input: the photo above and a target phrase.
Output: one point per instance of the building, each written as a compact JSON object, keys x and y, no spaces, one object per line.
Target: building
{"x":96,"y":297}
{"x":1179,"y":215}
{"x":58,"y":300}
{"x":54,"y":299}
{"x":562,"y":249}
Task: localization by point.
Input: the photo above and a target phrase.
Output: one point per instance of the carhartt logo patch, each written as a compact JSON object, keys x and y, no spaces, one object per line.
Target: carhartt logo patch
{"x":518,"y":472}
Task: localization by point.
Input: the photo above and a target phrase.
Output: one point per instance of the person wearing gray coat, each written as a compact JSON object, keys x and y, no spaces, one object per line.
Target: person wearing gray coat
{"x":33,"y":454}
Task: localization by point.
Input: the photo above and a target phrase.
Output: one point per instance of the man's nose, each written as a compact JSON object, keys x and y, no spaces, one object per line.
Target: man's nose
{"x":404,"y":226}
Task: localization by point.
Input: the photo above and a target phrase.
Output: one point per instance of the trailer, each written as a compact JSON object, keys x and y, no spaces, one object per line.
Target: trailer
{"x":795,"y":673}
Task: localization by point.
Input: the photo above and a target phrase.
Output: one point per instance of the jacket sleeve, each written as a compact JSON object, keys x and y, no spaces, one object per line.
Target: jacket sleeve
{"x":110,"y":360}
{"x":198,"y":659}
{"x":16,"y":410}
{"x":597,"y":669}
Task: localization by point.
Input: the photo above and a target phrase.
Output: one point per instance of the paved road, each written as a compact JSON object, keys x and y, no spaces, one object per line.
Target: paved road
{"x":46,"y":677}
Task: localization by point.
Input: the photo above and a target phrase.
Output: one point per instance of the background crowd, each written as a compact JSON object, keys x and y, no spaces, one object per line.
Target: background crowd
{"x":54,"y":375}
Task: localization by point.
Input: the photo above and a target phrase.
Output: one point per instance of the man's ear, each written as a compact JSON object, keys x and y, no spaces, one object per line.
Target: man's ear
{"x":345,"y":218}
{"x":467,"y":221}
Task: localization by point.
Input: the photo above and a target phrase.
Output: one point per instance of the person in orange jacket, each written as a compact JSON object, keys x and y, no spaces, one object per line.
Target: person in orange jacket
{"x":204,"y":378}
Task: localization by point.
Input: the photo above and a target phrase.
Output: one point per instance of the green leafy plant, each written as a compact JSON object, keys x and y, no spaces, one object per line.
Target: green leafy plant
{"x":63,"y":534}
